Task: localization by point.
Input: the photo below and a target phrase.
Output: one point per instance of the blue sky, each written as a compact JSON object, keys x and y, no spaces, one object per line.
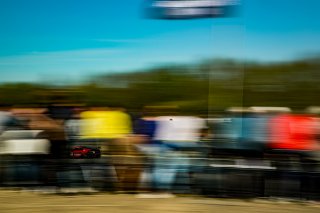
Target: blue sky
{"x":68,"y":40}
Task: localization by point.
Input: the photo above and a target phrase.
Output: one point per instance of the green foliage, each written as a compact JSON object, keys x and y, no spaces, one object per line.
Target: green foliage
{"x":213,"y":85}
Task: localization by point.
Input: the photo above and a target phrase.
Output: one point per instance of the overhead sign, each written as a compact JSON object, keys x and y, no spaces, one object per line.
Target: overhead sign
{"x":187,"y":9}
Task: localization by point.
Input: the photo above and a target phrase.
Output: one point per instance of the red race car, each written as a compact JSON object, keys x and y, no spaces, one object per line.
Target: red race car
{"x":85,"y":152}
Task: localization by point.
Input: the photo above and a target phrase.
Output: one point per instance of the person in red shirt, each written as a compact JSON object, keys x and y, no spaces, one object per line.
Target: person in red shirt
{"x":293,"y":132}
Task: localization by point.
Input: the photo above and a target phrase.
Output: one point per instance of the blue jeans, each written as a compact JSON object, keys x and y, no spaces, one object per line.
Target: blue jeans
{"x":167,"y":162}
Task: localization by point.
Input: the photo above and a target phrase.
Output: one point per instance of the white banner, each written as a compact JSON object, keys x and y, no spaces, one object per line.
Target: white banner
{"x":184,"y":9}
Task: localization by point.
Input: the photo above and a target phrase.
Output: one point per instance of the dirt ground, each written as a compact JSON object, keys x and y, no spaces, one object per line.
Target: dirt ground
{"x":12,"y":201}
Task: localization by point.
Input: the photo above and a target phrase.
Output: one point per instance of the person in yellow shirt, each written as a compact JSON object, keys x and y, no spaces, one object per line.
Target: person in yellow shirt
{"x":93,"y":123}
{"x":105,"y":123}
{"x":124,"y":155}
{"x":118,"y":124}
{"x":111,"y":128}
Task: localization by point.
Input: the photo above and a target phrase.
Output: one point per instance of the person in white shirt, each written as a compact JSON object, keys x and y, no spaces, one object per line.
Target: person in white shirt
{"x":173,"y":135}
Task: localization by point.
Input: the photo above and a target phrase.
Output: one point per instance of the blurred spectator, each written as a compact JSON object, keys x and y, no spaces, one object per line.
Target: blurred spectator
{"x":145,"y":126}
{"x":293,"y":132}
{"x":60,"y":111}
{"x":144,"y":129}
{"x":105,"y":126}
{"x":52,"y":130}
{"x":111,"y":129}
{"x":94,"y":123}
{"x":119,"y":123}
{"x":179,"y":128}
{"x":38,"y":120}
{"x":172,"y":136}
{"x":73,"y":125}
{"x":121,"y":148}
{"x":7,"y":120}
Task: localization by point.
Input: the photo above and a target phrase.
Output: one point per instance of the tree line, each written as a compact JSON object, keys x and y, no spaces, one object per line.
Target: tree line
{"x":196,"y":87}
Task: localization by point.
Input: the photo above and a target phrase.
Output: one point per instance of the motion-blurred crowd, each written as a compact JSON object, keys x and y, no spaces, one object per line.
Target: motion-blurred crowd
{"x":257,"y":151}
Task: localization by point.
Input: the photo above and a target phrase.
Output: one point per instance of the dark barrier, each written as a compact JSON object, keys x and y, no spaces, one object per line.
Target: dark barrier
{"x":94,"y":173}
{"x":231,"y":180}
{"x":22,"y":170}
{"x":213,"y":177}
